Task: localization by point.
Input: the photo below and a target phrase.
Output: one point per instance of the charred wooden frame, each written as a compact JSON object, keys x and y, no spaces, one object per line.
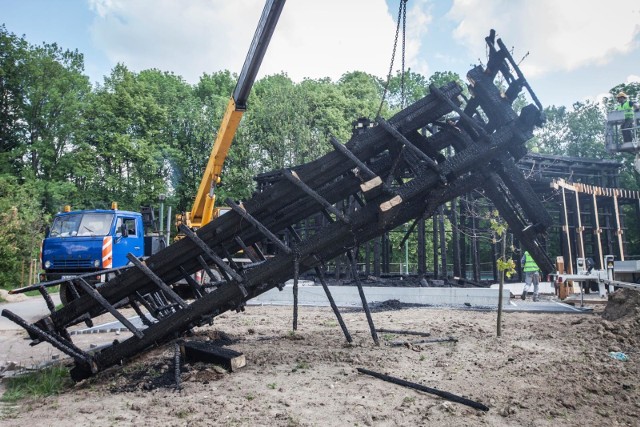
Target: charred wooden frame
{"x":397,"y":173}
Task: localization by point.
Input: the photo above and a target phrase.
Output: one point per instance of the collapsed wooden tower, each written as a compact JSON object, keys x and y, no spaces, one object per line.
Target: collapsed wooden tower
{"x":396,"y":171}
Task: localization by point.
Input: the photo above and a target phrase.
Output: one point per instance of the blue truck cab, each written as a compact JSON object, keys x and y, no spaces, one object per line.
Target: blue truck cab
{"x":84,"y":241}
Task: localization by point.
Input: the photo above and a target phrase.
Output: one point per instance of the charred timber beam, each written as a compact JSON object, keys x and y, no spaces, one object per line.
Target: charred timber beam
{"x":521,"y":190}
{"x":406,"y":143}
{"x":82,"y":359}
{"x":206,"y":268}
{"x":224,"y":268}
{"x":91,"y":291}
{"x":495,"y":191}
{"x":264,"y":230}
{"x":339,"y":147}
{"x":444,"y":394}
{"x":295,"y":180}
{"x":156,"y":280}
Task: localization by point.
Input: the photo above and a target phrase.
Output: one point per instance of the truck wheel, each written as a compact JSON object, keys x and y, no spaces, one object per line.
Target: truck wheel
{"x":66,"y":295}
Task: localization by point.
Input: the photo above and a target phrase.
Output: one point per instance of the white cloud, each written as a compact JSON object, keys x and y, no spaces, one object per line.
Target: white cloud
{"x":632,"y":78}
{"x":312,"y":39}
{"x":560,"y":35}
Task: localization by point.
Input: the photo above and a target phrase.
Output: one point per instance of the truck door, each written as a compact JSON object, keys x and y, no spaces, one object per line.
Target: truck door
{"x":128,"y":239}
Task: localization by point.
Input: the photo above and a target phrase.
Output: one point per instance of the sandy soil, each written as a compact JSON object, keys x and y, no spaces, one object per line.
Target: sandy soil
{"x":545,"y":370}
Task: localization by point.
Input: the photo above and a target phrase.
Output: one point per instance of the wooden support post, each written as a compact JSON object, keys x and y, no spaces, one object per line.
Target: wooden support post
{"x":139,"y":312}
{"x":422,"y":250}
{"x":377,"y":258}
{"x":334,"y":307}
{"x":434,"y":240}
{"x":443,"y":241}
{"x":569,"y":266}
{"x":249,"y":252}
{"x":579,"y":228}
{"x":406,"y":143}
{"x":296,"y":273}
{"x":455,"y":237}
{"x":47,"y":298}
{"x":58,"y":342}
{"x":195,"y":286}
{"x":444,"y":394}
{"x":367,"y":258}
{"x":207,"y":269}
{"x":363,"y":299}
{"x":619,"y":230}
{"x":475,"y":259}
{"x":463,"y":237}
{"x":363,"y":169}
{"x":597,"y":231}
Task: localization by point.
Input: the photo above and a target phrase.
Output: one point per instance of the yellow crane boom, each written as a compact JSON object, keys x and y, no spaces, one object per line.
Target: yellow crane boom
{"x":204,"y":206}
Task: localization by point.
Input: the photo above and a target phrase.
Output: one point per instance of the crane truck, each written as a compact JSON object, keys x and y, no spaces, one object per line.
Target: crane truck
{"x":91,"y":241}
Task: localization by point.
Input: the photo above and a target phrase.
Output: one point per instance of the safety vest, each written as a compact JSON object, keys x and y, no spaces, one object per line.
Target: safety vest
{"x":529,"y":263}
{"x":627,"y":108}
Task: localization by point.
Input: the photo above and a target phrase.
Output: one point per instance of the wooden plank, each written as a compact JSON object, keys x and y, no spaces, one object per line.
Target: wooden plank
{"x":197,"y":351}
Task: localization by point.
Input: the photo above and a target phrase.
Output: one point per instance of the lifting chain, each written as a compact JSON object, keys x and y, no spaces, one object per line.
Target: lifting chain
{"x":402,"y":17}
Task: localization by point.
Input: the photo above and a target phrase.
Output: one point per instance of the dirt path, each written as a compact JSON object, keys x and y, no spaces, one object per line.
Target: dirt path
{"x":546,"y":370}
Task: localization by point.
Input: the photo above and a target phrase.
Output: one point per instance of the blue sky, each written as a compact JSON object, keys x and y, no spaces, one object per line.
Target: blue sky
{"x":577,"y":49}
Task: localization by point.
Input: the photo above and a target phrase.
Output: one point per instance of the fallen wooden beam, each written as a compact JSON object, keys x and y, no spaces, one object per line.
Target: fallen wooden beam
{"x":444,"y":394}
{"x":196,"y":351}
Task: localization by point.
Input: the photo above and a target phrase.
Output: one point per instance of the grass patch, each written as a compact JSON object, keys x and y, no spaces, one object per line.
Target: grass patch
{"x":388,"y":337}
{"x":45,"y":382}
{"x":301,"y":366}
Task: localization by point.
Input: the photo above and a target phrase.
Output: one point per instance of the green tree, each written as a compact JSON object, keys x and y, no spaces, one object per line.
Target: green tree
{"x":578,"y":132}
{"x":13,"y":129}
{"x":23,"y":223}
{"x":363,"y":93}
{"x":43,"y":93}
{"x":125,"y":130}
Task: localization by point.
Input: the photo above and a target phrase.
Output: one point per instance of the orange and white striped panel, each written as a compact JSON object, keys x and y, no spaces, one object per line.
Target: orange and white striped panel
{"x":107,"y":252}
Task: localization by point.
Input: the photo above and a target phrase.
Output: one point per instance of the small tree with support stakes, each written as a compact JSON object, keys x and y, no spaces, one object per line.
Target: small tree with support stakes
{"x":505,"y":266}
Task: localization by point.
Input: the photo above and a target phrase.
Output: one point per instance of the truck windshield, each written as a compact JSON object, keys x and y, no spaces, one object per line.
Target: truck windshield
{"x":87,"y":224}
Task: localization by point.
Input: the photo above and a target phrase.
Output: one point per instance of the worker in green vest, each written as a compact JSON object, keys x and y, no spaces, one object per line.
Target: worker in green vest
{"x":624,"y":104}
{"x":531,"y":274}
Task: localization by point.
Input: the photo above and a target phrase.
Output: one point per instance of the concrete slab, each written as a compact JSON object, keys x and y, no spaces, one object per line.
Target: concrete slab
{"x":544,"y":306}
{"x":347,"y":296}
{"x":516,"y":288}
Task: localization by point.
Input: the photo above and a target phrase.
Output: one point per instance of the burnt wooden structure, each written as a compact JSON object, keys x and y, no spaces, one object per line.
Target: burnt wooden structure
{"x":395,"y":172}
{"x":460,"y":237}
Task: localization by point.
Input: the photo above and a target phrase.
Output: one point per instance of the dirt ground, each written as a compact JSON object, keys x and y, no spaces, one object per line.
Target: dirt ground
{"x":545,"y":370}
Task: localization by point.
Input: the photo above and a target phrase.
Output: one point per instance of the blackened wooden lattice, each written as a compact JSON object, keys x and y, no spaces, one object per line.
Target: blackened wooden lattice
{"x":395,"y":174}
